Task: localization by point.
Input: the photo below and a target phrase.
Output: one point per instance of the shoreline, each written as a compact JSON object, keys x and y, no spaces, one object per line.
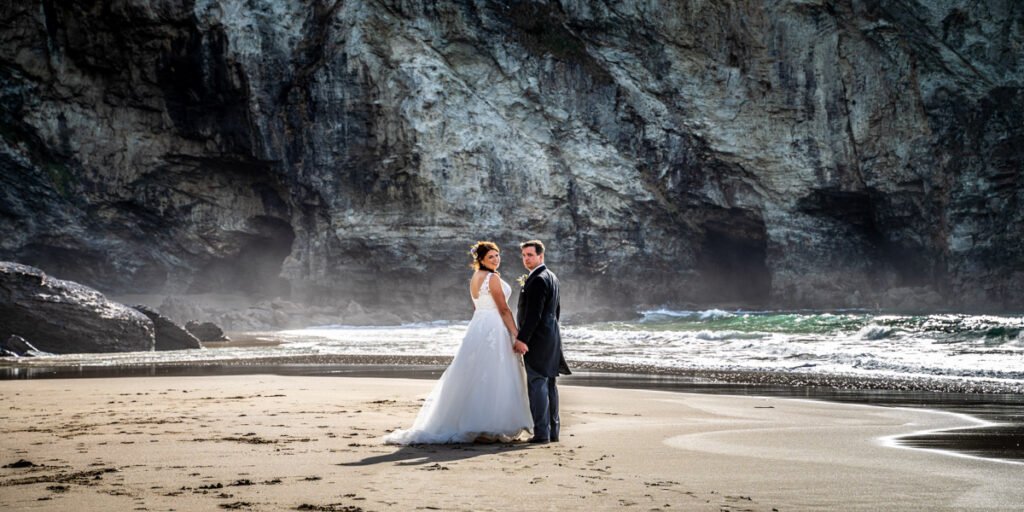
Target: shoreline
{"x":268,"y":442}
{"x":43,"y":367}
{"x":1001,"y":437}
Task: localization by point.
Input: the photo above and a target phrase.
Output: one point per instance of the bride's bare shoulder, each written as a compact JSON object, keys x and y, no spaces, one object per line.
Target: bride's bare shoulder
{"x":475,"y":281}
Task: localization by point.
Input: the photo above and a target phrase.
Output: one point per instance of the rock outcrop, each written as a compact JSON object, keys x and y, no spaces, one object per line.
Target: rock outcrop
{"x":206,"y":331}
{"x":801,"y":153}
{"x":169,"y":335}
{"x":63,"y":317}
{"x":16,"y":346}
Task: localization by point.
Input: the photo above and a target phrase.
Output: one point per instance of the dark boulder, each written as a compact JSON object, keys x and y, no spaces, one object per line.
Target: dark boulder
{"x":63,"y":317}
{"x":22,"y":463}
{"x":206,"y":331}
{"x":16,"y":346}
{"x":169,"y":335}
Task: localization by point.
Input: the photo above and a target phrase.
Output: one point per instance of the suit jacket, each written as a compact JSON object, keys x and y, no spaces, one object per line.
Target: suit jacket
{"x":537,"y":317}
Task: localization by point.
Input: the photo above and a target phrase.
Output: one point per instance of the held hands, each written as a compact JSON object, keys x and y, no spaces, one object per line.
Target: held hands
{"x":520,"y":348}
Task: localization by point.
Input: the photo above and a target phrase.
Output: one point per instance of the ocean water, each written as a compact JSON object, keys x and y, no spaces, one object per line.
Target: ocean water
{"x":844,"y":343}
{"x":853,"y":343}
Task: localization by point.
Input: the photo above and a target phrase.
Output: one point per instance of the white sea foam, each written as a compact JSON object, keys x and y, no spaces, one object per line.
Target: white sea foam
{"x":714,"y":314}
{"x":665,"y":314}
{"x":874,"y":332}
{"x":728,"y":335}
{"x":943,"y":346}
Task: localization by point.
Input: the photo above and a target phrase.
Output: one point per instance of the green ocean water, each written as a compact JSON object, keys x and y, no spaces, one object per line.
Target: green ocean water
{"x":941,"y":327}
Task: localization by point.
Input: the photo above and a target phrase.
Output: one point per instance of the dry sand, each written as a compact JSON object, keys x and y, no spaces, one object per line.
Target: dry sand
{"x":263,"y":442}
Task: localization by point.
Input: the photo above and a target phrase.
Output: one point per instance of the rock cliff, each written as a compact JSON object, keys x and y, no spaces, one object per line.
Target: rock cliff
{"x":786,"y":153}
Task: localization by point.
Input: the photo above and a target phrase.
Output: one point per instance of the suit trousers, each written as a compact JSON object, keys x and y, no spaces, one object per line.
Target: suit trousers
{"x":543,"y":404}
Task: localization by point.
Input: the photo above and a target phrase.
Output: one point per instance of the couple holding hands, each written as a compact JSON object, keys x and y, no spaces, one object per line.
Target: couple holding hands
{"x":501,"y":382}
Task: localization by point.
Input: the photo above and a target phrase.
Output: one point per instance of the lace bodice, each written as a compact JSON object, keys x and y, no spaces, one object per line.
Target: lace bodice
{"x":485,"y":301}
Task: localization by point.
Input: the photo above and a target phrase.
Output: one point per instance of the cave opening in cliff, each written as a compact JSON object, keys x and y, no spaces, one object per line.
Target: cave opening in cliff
{"x":732,"y":259}
{"x":255,"y":268}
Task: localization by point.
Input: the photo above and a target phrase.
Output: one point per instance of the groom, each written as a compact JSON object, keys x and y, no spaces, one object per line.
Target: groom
{"x":540,"y":341}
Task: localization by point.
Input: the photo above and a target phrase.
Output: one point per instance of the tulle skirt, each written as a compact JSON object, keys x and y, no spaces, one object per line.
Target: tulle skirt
{"x":482,"y":392}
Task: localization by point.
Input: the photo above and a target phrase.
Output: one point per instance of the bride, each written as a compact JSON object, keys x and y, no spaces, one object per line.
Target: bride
{"x":482,"y":395}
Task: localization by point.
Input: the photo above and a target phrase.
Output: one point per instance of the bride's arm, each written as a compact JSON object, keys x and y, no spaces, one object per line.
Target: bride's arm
{"x":499,"y":298}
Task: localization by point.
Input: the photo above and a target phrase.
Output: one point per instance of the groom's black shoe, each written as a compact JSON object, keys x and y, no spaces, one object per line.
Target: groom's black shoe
{"x":538,"y":440}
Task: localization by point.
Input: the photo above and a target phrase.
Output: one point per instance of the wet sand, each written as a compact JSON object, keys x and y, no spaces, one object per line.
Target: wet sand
{"x":62,"y":366}
{"x":269,"y":442}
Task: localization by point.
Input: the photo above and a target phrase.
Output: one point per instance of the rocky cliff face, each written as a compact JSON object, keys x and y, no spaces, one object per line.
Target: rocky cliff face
{"x":785,"y":153}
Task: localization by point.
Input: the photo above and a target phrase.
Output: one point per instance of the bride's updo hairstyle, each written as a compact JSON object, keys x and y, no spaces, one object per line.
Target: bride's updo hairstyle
{"x":479,"y":251}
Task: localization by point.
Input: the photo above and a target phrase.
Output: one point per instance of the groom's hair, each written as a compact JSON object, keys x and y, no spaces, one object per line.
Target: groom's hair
{"x":536,"y":244}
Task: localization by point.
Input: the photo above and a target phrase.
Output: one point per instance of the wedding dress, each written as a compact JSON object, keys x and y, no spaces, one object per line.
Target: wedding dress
{"x":483,"y":391}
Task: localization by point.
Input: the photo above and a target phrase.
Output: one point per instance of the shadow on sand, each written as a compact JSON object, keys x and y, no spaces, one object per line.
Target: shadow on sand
{"x":435,"y":454}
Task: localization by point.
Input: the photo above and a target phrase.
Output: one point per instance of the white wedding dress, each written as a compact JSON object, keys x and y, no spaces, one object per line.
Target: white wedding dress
{"x":483,"y":391}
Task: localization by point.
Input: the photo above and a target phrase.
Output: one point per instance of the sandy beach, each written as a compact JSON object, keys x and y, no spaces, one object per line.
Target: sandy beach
{"x":262,"y":442}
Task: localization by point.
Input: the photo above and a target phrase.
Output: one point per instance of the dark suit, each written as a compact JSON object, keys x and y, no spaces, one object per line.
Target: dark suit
{"x":537,"y":317}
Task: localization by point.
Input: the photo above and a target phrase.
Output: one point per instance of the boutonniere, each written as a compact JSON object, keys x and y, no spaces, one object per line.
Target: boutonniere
{"x":522,"y":280}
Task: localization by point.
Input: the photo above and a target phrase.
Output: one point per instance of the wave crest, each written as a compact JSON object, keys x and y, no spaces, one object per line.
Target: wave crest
{"x":728,"y":335}
{"x":874,"y":332}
